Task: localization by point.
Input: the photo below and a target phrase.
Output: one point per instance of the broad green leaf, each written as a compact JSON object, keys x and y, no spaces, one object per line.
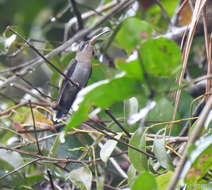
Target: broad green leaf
{"x":34,"y":178}
{"x":199,"y":161}
{"x":130,"y":108}
{"x":131,"y":174}
{"x":11,"y":159}
{"x":54,"y":148}
{"x":101,"y":72}
{"x":138,"y":160}
{"x":132,"y":68}
{"x":162,"y":112}
{"x":133,"y":32}
{"x":7,"y":33}
{"x":145,"y":181}
{"x":100,"y":183}
{"x":161,"y":57}
{"x":155,"y":16}
{"x":163,"y":180}
{"x":82,"y":178}
{"x":108,"y":148}
{"x":161,"y":154}
{"x":5,"y":44}
{"x":103,"y":94}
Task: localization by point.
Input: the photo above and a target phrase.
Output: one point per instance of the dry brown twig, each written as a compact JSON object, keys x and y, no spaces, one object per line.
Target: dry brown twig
{"x":196,"y":15}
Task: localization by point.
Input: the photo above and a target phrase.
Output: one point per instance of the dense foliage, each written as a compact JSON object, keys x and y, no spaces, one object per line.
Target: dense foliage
{"x":145,"y":110}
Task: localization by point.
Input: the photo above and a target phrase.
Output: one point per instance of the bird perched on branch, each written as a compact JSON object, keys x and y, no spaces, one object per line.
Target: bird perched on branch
{"x":78,"y":71}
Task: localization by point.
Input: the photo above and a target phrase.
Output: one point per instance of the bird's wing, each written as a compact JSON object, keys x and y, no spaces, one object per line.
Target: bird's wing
{"x":71,"y":67}
{"x":89,"y":76}
{"x":68,"y":72}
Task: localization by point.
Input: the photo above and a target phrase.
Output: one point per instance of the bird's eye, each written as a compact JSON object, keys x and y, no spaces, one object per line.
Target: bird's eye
{"x":82,"y":45}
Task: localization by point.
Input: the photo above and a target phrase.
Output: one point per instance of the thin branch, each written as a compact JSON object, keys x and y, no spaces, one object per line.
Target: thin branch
{"x":87,"y":15}
{"x":192,"y":138}
{"x":19,"y":168}
{"x":77,"y":14}
{"x":27,"y":91}
{"x":121,"y":142}
{"x":107,"y":111}
{"x":170,"y":139}
{"x":165,"y":15}
{"x":56,"y":127}
{"x":9,"y":98}
{"x":33,"y":119}
{"x":45,"y":59}
{"x":207,"y":48}
{"x":196,"y":15}
{"x":31,"y":85}
{"x":68,"y":43}
{"x":9,"y":110}
{"x":182,"y":6}
{"x":39,"y":140}
{"x":49,"y":159}
{"x":50,"y":179}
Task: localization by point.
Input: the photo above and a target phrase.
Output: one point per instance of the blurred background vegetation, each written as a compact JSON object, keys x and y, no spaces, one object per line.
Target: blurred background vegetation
{"x":135,"y":76}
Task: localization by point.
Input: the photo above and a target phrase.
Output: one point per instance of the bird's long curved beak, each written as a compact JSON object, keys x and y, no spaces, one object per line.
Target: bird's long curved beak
{"x":93,"y":40}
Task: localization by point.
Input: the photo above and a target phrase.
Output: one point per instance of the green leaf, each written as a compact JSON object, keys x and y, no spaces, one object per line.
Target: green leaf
{"x":103,"y":94}
{"x":130,"y":108}
{"x":145,"y":181}
{"x":138,"y":160}
{"x":100,"y":183}
{"x":34,"y":178}
{"x":161,"y":154}
{"x":133,"y":32}
{"x":161,"y":112}
{"x":199,"y":161}
{"x":54,"y":148}
{"x":82,"y":178}
{"x":108,"y":148}
{"x":163,"y":180}
{"x":11,"y":159}
{"x":101,"y":72}
{"x":131,"y":175}
{"x":161,"y":57}
{"x":155,"y":16}
{"x":132,"y":68}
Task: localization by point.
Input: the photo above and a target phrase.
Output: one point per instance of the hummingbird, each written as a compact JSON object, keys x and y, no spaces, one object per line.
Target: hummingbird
{"x":78,"y":71}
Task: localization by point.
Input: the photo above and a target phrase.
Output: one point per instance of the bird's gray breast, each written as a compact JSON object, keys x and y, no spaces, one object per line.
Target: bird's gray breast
{"x":81,"y":74}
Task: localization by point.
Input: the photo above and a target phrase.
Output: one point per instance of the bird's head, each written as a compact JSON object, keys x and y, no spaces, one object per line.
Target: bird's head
{"x":85,"y":50}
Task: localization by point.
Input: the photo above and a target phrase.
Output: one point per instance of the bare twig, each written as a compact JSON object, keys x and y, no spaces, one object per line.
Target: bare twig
{"x":208,"y":52}
{"x":39,"y":140}
{"x":8,"y":111}
{"x":107,"y":111}
{"x":168,"y":138}
{"x":19,"y":168}
{"x":27,"y":91}
{"x":31,"y":85}
{"x":50,"y":178}
{"x":77,"y":14}
{"x":87,"y":15}
{"x":46,"y":158}
{"x":9,"y":98}
{"x":193,"y":137}
{"x":33,"y":120}
{"x":196,"y":15}
{"x":165,"y":15}
{"x":183,"y":4}
{"x":68,"y":43}
{"x":45,"y":59}
{"x":121,"y":142}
